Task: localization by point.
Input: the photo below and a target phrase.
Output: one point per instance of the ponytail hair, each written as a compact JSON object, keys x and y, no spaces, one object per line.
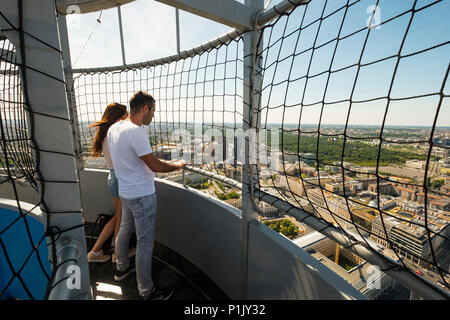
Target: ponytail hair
{"x":113,"y":112}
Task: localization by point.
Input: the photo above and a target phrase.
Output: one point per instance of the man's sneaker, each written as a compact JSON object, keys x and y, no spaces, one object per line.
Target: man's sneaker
{"x":131,"y":252}
{"x":159,"y":294}
{"x":98,"y":257}
{"x":120,"y":275}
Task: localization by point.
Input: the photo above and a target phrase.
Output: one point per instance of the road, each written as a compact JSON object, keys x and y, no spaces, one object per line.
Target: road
{"x":430,"y":275}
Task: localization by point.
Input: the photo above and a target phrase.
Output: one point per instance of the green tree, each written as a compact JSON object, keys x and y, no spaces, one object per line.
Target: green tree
{"x":220,"y":185}
{"x":437,"y":184}
{"x":204,"y":185}
{"x":286,"y":223}
{"x":285,"y":226}
{"x":221,"y":196}
{"x":275,"y":226}
{"x":290,"y":231}
{"x":233,"y":195}
{"x":359,"y":153}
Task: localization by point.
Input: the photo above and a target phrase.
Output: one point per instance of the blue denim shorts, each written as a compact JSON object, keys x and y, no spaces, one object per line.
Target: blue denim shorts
{"x":113,"y":184}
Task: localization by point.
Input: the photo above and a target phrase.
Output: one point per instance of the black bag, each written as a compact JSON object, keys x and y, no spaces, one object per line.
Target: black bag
{"x":100,"y":222}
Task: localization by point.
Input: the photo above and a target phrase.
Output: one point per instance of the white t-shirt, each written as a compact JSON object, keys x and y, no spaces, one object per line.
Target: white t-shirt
{"x":127,"y":142}
{"x":107,"y":154}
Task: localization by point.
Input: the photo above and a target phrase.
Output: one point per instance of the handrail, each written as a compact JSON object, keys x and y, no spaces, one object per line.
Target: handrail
{"x":215,"y":43}
{"x":276,"y":11}
{"x":356,"y":245}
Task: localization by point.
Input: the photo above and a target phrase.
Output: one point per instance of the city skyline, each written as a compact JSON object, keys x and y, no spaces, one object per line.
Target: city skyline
{"x":414,"y":91}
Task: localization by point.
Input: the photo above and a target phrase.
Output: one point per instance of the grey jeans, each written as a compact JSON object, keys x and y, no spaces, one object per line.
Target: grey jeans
{"x":138,"y":215}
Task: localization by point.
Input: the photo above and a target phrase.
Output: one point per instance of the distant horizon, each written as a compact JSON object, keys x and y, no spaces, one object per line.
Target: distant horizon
{"x":304,"y":124}
{"x":278,"y":124}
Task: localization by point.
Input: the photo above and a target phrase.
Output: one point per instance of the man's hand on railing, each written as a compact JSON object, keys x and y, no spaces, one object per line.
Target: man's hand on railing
{"x":158,"y":165}
{"x":180,"y":164}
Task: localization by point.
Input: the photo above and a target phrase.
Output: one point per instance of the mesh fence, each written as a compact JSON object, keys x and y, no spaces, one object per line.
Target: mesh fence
{"x":16,"y":161}
{"x":25,"y":272}
{"x":28,"y":257}
{"x":358,"y":92}
{"x":199,"y":97}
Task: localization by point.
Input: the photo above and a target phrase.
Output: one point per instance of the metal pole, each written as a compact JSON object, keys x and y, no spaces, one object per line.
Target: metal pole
{"x":67,"y":64}
{"x":121,"y":34}
{"x":177,"y":19}
{"x":68,"y":275}
{"x":249,"y":212}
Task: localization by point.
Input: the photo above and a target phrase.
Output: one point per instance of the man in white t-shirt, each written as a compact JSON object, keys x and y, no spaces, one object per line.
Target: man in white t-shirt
{"x":135,"y":165}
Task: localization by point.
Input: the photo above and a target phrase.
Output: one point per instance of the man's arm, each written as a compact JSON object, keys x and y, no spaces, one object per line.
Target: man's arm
{"x":157,"y":165}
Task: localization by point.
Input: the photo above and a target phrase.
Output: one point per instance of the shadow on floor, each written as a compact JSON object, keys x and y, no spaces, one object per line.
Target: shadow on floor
{"x":169,"y":270}
{"x":105,"y":287}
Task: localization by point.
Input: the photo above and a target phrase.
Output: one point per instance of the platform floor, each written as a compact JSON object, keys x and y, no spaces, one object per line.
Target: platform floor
{"x":106,"y":288}
{"x":169,"y":271}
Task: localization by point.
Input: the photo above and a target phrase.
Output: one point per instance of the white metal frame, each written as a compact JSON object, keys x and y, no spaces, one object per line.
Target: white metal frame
{"x":230,"y":13}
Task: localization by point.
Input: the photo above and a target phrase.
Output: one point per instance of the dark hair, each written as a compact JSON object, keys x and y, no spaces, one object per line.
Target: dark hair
{"x":113,"y":112}
{"x":139,"y":100}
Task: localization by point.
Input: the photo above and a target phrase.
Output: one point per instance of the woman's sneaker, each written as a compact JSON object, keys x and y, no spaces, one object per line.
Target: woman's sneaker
{"x":120,"y":275}
{"x":98,"y":257}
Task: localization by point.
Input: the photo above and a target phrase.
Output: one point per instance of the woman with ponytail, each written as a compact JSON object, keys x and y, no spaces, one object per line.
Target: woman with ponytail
{"x":114,"y":112}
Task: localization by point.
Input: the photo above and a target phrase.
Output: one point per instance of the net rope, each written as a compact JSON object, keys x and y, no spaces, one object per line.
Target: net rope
{"x":302,"y":96}
{"x":20,"y":162}
{"x":198,"y":94}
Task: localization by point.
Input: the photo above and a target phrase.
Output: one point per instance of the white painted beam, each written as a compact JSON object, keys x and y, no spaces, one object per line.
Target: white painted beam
{"x":86,"y":6}
{"x":230,"y":13}
{"x":251,"y":120}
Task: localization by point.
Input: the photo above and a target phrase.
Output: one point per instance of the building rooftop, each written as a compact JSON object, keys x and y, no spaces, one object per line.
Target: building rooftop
{"x":309,"y":239}
{"x":357,"y":276}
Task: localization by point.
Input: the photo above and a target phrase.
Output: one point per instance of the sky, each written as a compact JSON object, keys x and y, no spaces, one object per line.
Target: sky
{"x":149,"y":32}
